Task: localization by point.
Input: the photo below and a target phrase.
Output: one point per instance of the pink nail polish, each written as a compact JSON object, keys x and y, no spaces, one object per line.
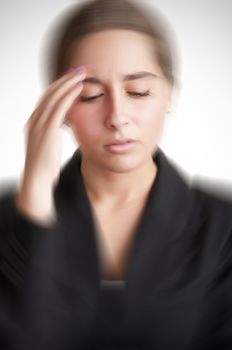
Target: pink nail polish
{"x":69,"y":70}
{"x":78,"y":69}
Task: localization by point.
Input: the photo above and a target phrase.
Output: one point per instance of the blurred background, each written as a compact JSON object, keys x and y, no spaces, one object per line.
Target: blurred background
{"x":198,"y":136}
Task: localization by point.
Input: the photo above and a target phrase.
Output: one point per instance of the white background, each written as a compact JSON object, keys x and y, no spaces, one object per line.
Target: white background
{"x":198,"y":136}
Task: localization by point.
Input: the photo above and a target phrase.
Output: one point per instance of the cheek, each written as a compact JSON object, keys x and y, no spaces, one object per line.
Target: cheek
{"x":151,"y":115}
{"x":83,"y":123}
{"x":152,"y":122}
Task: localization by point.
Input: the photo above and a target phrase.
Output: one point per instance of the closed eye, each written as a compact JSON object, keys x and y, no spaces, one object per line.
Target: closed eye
{"x":89,"y":98}
{"x":139,"y":94}
{"x":131,"y":93}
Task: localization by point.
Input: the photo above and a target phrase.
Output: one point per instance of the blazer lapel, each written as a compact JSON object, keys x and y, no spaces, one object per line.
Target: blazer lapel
{"x":165,"y":228}
{"x":61,"y":299}
{"x":154,"y":259}
{"x":80,"y":238}
{"x":164,"y":219}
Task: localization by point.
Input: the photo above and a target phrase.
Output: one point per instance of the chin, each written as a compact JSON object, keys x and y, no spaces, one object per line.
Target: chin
{"x":123,"y":164}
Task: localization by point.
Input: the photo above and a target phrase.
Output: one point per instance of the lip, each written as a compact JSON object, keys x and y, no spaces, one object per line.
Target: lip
{"x":121,"y":146}
{"x":120,"y":141}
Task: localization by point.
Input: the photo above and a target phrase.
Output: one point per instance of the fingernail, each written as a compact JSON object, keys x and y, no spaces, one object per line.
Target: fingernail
{"x":78,"y":69}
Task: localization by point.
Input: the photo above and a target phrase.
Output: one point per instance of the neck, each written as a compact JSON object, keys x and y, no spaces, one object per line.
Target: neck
{"x":108,"y":186}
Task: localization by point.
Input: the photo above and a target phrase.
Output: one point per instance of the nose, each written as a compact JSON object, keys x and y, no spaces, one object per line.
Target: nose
{"x":116,"y":116}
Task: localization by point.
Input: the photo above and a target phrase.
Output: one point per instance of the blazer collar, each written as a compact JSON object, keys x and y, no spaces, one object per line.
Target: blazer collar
{"x":167,"y":213}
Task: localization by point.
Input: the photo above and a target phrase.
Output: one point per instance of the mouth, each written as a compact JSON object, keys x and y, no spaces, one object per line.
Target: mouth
{"x":120,"y":142}
{"x":120,"y":146}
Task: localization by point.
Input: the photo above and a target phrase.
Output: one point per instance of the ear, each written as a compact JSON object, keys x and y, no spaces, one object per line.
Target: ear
{"x":169,"y":103}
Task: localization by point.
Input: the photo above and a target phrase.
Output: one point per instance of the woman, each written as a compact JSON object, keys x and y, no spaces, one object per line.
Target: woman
{"x":116,"y":251}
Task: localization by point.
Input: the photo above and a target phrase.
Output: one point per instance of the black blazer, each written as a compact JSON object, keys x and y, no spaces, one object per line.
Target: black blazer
{"x":178,"y":290}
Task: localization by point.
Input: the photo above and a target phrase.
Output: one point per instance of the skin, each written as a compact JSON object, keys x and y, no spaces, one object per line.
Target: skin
{"x":43,"y":148}
{"x":117,"y":113}
{"x":111,"y":174}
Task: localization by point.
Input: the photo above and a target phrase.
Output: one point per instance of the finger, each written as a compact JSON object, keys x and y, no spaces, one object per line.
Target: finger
{"x":61,"y":108}
{"x":42,"y":101}
{"x":72,"y":72}
{"x":43,"y":111}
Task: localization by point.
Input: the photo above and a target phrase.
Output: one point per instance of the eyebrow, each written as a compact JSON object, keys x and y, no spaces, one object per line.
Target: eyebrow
{"x":128,"y":77}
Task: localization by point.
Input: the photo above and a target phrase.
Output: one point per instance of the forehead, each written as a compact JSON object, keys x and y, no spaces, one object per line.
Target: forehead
{"x":116,"y":50}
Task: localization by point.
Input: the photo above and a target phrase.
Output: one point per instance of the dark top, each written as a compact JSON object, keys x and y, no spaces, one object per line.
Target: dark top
{"x":178,"y":290}
{"x":107,"y":329}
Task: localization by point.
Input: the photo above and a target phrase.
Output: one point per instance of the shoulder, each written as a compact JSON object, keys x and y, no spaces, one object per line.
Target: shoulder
{"x":215,"y":199}
{"x":214,"y":205}
{"x":202,"y":196}
{"x":210,"y":222}
{"x":201,"y":209}
{"x":8,"y":191}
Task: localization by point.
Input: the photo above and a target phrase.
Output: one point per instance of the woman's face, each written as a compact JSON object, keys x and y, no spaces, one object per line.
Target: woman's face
{"x":119,"y":116}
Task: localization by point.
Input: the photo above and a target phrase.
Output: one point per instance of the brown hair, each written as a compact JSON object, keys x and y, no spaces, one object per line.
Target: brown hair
{"x":97,"y":15}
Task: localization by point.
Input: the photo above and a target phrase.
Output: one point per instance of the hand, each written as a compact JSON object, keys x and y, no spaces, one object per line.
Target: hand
{"x":43,"y":146}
